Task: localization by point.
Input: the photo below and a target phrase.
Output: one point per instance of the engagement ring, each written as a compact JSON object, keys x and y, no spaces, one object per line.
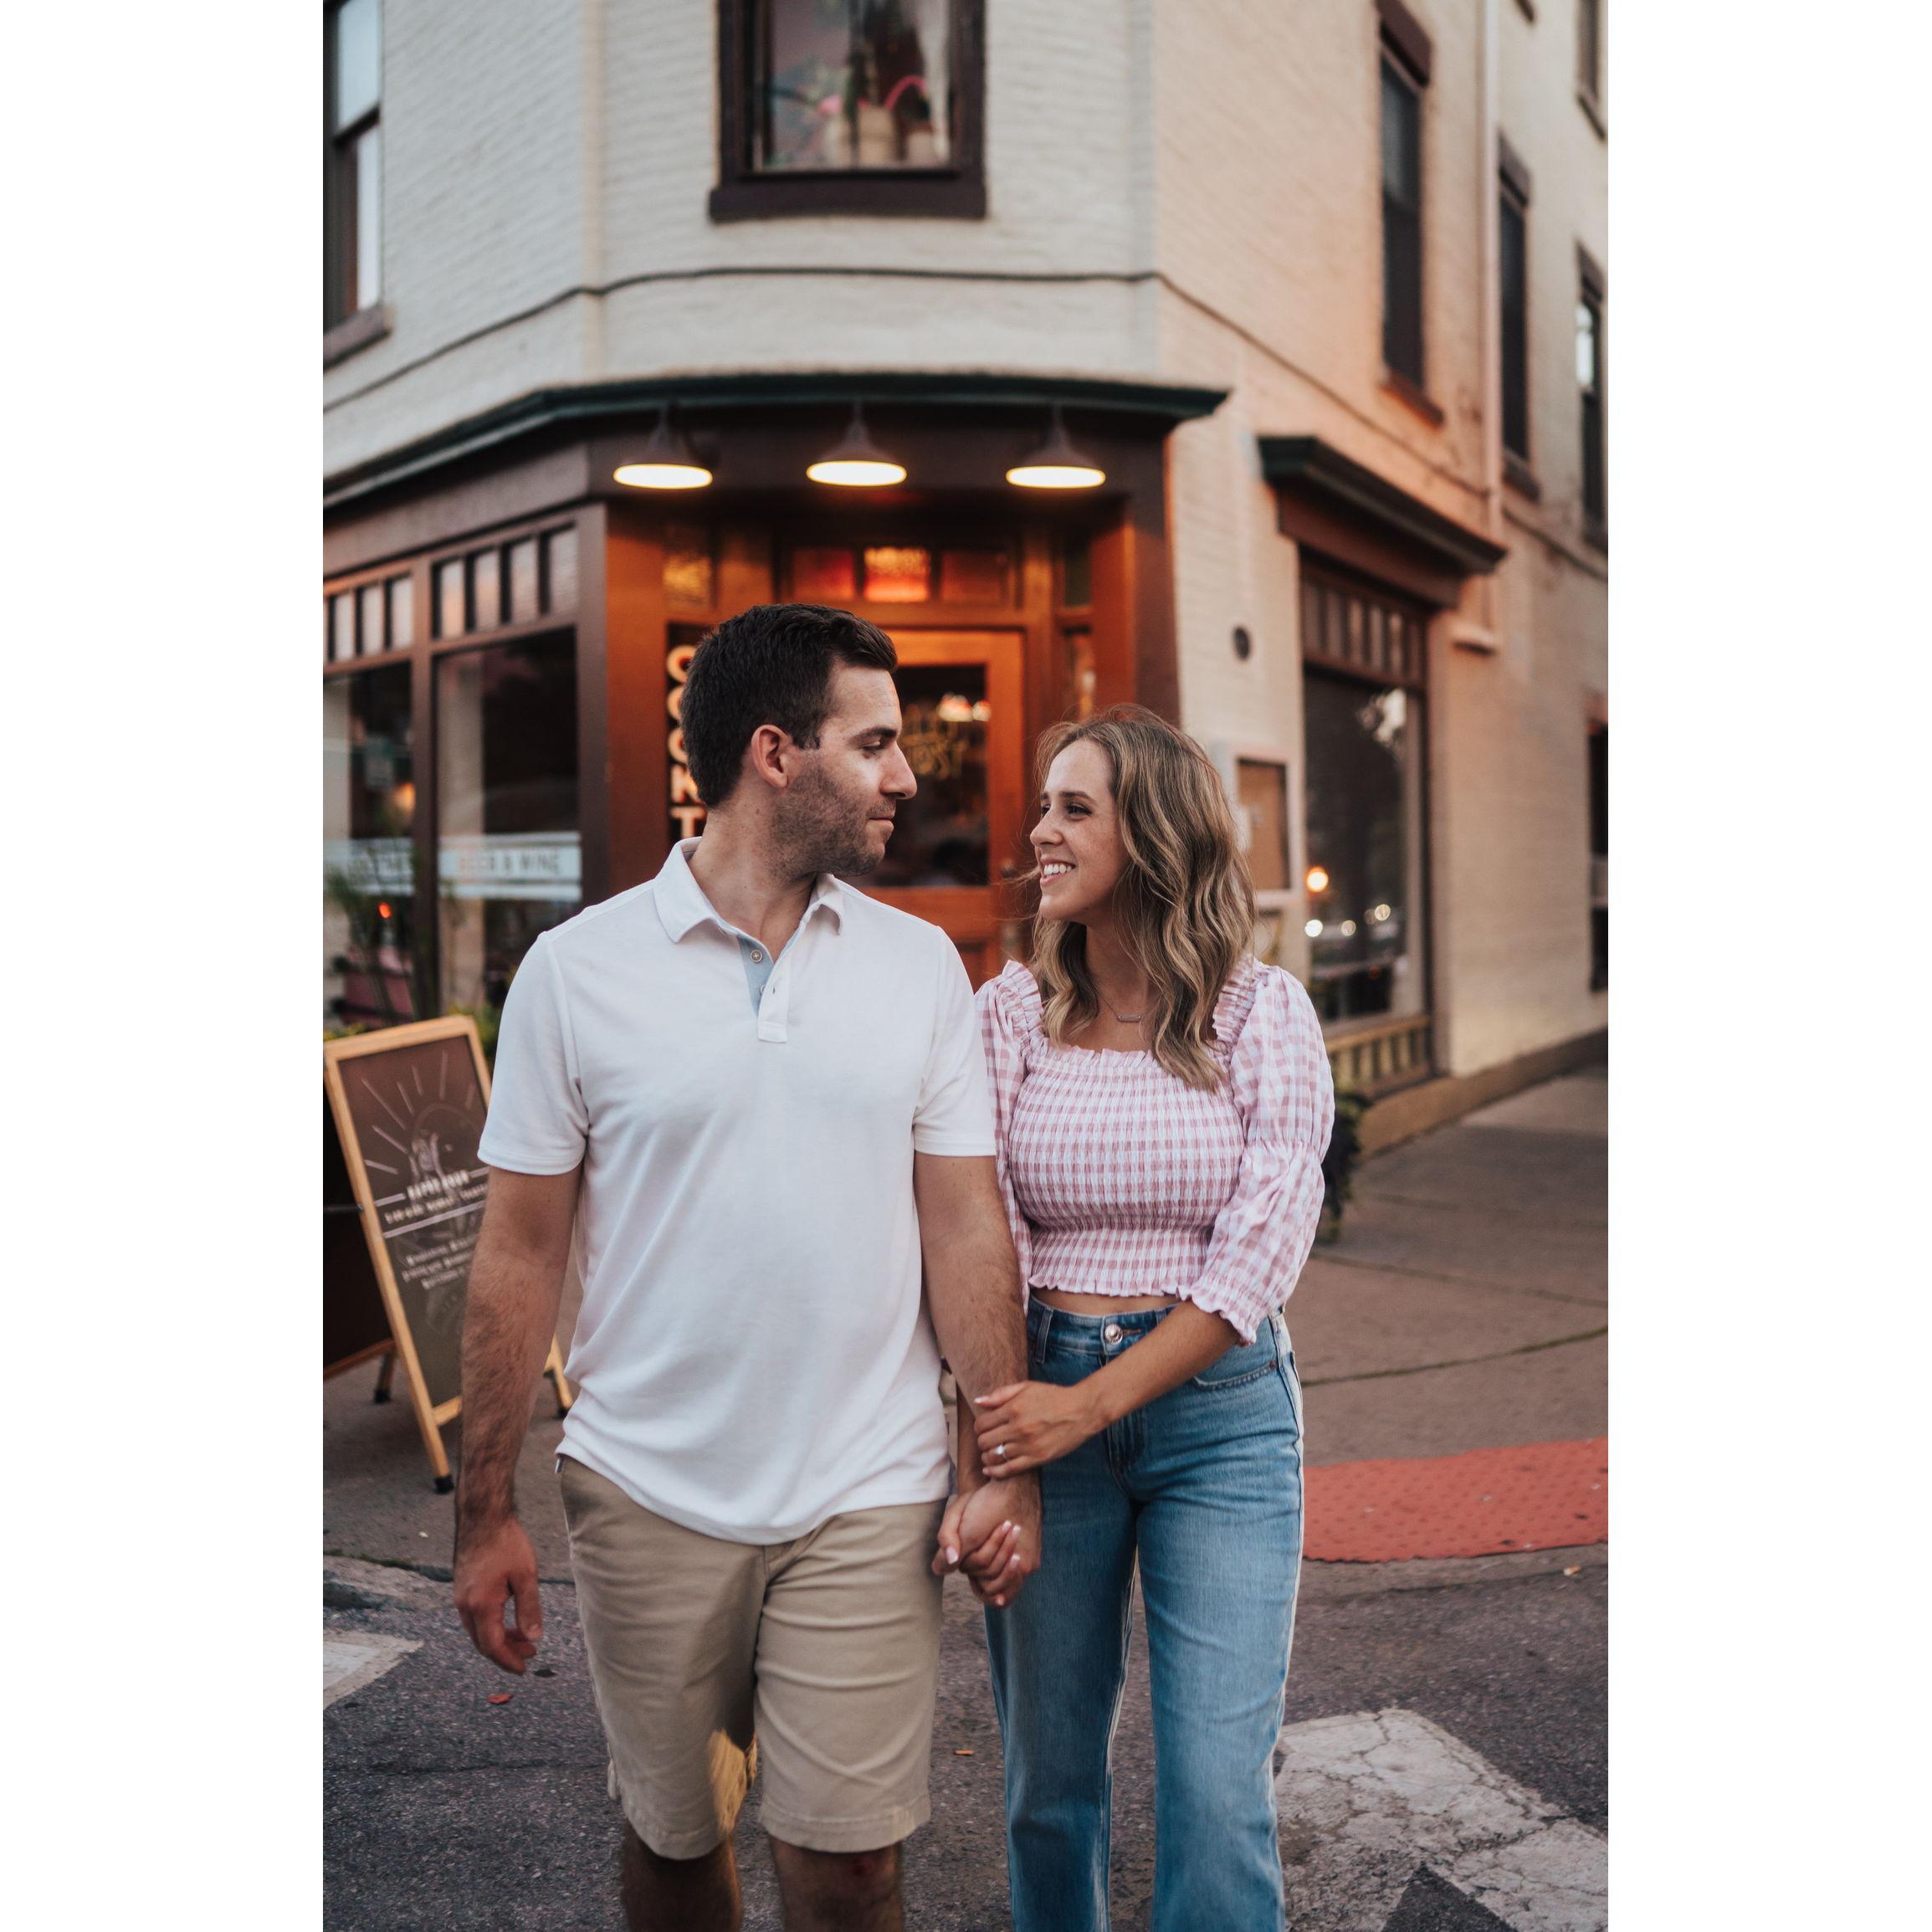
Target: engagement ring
{"x":999,"y":1450}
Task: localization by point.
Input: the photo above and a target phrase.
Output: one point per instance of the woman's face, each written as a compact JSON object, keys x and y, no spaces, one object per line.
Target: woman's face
{"x":1077,"y":841}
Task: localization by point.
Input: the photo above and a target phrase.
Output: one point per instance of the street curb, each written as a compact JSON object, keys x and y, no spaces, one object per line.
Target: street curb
{"x":1327,"y":1582}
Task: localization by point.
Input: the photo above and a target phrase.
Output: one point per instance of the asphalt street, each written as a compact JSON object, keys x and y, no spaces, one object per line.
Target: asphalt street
{"x":1463,"y":1308}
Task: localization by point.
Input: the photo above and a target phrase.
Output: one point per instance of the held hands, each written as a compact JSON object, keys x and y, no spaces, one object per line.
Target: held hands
{"x":492,"y":1567}
{"x":992,"y":1536}
{"x":1025,"y":1424}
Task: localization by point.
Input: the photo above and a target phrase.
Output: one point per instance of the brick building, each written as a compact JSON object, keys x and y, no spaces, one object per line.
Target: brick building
{"x":1318,"y":289}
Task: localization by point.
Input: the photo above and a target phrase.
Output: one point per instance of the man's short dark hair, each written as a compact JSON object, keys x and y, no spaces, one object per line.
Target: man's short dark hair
{"x":769,"y":665}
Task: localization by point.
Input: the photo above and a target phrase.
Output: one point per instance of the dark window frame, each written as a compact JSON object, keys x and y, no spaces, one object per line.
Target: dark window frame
{"x":1593,"y":290}
{"x":341,"y":302}
{"x":956,"y":192}
{"x":1514,"y":191}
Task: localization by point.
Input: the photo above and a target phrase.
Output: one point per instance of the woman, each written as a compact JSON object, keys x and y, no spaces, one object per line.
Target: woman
{"x":1162,"y":1102}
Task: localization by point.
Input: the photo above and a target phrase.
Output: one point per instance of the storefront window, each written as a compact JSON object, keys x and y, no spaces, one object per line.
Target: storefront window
{"x":508,"y":855}
{"x":940,"y":835}
{"x":856,"y":84}
{"x":368,"y":865}
{"x":1363,"y":881}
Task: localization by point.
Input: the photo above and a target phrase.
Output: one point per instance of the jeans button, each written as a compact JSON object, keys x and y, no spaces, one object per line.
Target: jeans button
{"x":1111,"y":1331}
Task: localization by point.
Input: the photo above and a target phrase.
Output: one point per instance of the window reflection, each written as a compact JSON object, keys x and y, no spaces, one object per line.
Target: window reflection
{"x":1363,"y":876}
{"x":940,"y":838}
{"x":368,"y":865}
{"x":509,"y":855}
{"x":852,"y":84}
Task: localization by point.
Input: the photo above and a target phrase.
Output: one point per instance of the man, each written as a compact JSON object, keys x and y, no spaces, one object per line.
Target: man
{"x":758,"y":1097}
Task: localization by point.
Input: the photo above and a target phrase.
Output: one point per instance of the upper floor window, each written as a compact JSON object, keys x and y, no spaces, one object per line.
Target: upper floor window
{"x":1513,"y":261}
{"x":850,"y":106}
{"x":1590,"y":291}
{"x":1405,"y":73}
{"x":1590,"y":48}
{"x":353,"y":188}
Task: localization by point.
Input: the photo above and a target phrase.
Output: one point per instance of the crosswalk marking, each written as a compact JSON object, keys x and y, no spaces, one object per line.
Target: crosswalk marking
{"x":1367,"y":1800}
{"x":351,"y":1658}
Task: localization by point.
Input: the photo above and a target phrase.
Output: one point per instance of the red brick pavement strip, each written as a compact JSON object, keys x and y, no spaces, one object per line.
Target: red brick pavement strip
{"x":1542,"y":1496}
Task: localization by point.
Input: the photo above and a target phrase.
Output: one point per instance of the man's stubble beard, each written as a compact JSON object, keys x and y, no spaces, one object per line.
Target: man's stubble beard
{"x":825,"y":832}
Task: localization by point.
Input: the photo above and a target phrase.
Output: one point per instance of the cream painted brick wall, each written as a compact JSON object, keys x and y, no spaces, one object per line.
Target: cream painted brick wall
{"x":1269,"y":197}
{"x":483,"y":213}
{"x":528,"y":97}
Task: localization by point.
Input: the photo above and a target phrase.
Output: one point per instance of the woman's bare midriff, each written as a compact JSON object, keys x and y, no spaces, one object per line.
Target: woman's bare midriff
{"x":1102,"y":1303}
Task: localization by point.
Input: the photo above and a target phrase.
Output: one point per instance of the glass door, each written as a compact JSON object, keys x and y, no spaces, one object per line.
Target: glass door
{"x":959,"y":840}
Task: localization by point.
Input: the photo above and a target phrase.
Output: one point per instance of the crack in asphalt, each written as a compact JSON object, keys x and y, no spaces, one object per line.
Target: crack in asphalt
{"x":1527,"y":1348}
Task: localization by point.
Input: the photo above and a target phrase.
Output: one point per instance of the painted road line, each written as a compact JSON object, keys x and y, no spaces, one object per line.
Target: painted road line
{"x":1369,"y":1801}
{"x":351,"y":1658}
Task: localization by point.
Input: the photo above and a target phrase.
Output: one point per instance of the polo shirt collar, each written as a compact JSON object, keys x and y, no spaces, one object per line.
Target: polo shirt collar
{"x":682,"y":905}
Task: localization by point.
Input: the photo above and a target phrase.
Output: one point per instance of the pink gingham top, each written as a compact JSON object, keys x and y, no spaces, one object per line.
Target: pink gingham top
{"x":1121,"y":1179}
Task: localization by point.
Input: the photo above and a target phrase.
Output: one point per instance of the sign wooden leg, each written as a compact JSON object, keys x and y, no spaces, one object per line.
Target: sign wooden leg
{"x":554,"y":1369}
{"x":385,"y":1376}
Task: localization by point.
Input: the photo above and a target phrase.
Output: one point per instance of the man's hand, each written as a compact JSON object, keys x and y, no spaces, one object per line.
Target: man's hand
{"x":493,"y":1567}
{"x":980,"y":1537}
{"x":1032,"y":1424}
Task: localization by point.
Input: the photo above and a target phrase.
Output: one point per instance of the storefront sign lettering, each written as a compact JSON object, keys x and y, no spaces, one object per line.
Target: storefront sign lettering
{"x":687,"y":808}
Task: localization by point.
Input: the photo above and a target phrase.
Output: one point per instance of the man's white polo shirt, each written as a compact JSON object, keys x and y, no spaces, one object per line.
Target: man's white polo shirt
{"x":754,"y":1354}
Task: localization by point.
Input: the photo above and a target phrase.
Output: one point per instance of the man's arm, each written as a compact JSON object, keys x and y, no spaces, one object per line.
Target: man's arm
{"x":972,"y":1286}
{"x":510,"y":1320}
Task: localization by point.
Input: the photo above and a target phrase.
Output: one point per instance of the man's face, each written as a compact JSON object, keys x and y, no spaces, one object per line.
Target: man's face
{"x":838,"y":816}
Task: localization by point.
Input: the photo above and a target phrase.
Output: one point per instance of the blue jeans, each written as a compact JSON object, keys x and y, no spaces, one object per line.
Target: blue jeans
{"x":1204,"y":1486}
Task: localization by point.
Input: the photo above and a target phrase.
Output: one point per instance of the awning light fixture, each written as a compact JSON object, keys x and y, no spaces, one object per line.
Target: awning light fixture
{"x":858,"y":462}
{"x":666,"y":462}
{"x":1057,"y":464}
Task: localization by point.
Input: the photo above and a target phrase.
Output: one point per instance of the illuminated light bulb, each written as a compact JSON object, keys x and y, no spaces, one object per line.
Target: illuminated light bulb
{"x":666,"y":462}
{"x":1056,"y":464}
{"x":858,"y":462}
{"x":1380,"y":915}
{"x":1348,"y":928}
{"x":1317,"y":879}
{"x":1313,"y":928}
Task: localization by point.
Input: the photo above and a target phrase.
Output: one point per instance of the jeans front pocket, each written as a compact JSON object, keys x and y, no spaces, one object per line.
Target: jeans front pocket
{"x":1245,"y":1362}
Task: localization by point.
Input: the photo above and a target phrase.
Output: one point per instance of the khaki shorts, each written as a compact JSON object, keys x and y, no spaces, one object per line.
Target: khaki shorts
{"x":815,"y":1660}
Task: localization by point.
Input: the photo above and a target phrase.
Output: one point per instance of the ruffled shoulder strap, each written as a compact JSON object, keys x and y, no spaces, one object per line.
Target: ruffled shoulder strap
{"x":1018,"y":996}
{"x":1236,"y":1002}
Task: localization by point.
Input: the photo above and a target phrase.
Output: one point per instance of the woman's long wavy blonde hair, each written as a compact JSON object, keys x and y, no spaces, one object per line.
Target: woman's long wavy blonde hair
{"x":1184,"y":906}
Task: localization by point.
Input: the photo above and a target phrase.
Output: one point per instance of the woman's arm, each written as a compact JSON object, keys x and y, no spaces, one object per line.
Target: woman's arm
{"x":1039,"y":1423}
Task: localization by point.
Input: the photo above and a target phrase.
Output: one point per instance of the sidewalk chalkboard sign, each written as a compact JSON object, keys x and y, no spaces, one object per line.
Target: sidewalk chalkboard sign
{"x":408,"y":1104}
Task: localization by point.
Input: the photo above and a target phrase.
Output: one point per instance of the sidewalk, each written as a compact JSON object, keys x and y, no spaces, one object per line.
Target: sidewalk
{"x":1462,"y":1311}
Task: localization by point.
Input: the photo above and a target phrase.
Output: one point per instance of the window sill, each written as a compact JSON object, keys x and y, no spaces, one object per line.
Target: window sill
{"x":945,"y":197}
{"x":1399,"y":386}
{"x":1521,"y":477}
{"x":358,"y":331}
{"x":1593,"y":111}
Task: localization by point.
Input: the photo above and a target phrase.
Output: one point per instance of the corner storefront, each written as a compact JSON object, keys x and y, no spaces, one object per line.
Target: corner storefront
{"x":507,"y":629}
